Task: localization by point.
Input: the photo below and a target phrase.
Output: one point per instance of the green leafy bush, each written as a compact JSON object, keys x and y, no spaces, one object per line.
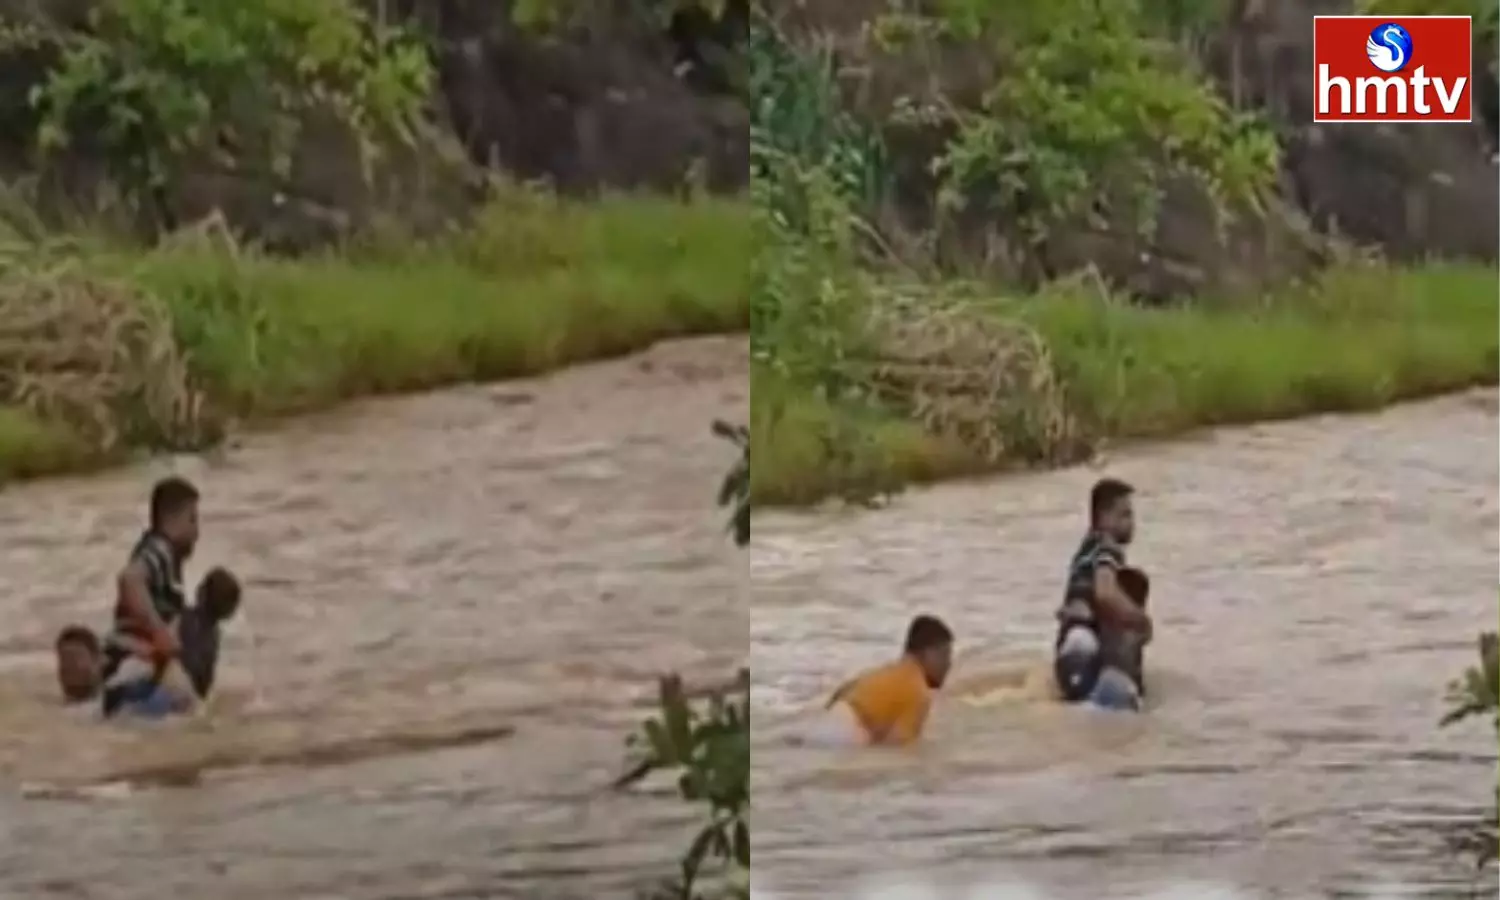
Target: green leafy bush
{"x":1096,"y":113}
{"x":813,"y":167}
{"x":151,"y":84}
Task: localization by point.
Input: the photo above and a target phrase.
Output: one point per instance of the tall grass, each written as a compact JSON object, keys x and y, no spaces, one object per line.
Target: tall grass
{"x":540,"y":282}
{"x":1358,"y":340}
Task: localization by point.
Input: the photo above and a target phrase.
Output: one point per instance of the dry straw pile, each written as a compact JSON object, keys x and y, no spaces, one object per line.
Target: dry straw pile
{"x":94,"y":354}
{"x":987,"y":381}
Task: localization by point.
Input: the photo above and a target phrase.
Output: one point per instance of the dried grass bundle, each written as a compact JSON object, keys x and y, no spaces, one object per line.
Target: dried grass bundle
{"x":985,"y":380}
{"x":97,"y":355}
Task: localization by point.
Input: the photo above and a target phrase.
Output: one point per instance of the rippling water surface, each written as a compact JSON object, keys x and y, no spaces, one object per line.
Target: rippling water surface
{"x":455,"y":607}
{"x":1315,"y":585}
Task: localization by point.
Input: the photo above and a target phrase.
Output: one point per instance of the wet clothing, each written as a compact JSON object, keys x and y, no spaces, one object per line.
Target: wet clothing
{"x":1079,"y":662}
{"x":1076,"y":664}
{"x":198,"y":636}
{"x":891,"y":702}
{"x":141,"y":693}
{"x":1078,"y":595}
{"x":163,"y":567}
{"x":1115,"y":690}
{"x":141,"y":697}
{"x":837,"y":727}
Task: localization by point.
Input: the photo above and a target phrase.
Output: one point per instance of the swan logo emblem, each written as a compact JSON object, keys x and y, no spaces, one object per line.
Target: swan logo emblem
{"x":1389,"y":47}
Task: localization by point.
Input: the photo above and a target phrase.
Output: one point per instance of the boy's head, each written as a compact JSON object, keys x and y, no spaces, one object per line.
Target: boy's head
{"x":930,"y":643}
{"x":79,"y":661}
{"x":219,"y":595}
{"x":174,"y":513}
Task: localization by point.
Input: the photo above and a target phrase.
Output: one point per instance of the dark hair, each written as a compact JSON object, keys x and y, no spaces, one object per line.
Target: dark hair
{"x":1135,"y":584}
{"x":77,"y":634}
{"x":219,"y":594}
{"x":926,"y":632}
{"x":1105,"y":494}
{"x":169,"y":497}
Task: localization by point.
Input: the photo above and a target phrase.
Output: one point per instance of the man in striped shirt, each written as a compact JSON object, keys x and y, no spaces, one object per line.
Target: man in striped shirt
{"x":1102,"y":625}
{"x":150,"y":595}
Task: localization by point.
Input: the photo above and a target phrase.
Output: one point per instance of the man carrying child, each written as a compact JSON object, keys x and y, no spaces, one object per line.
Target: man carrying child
{"x":156,"y":638}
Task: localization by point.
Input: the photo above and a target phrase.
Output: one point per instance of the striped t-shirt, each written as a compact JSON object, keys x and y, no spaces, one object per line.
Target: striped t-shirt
{"x":1078,"y":596}
{"x":163,"y":569}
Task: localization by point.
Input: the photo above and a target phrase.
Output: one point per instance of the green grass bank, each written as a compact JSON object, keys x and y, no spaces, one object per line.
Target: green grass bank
{"x":108,"y":351}
{"x":1359,"y":339}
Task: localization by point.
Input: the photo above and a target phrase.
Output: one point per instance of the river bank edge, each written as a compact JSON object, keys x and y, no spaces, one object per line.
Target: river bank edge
{"x":1358,"y":340}
{"x":117,"y":353}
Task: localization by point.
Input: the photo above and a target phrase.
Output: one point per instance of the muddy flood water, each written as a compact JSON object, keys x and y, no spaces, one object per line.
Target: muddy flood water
{"x":456,"y":604}
{"x":1315,"y":584}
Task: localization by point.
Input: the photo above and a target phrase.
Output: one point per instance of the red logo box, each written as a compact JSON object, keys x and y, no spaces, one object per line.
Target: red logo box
{"x":1402,"y":69}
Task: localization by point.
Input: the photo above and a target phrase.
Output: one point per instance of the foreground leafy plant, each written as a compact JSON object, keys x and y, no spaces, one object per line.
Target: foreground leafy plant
{"x":1475,"y":693}
{"x":736,"y":486}
{"x":708,"y":745}
{"x":706,"y":740}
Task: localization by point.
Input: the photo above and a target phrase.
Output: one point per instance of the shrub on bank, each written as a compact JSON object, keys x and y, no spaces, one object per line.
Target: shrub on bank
{"x":1358,"y":339}
{"x":111,"y":349}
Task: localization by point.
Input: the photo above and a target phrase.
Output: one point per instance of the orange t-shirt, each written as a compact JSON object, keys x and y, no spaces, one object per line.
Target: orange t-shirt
{"x":891,"y":702}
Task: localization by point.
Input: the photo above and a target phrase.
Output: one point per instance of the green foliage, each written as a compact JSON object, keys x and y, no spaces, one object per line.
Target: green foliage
{"x":1095,"y":114}
{"x":540,"y":282}
{"x":735,"y":488}
{"x":155,"y":83}
{"x":1356,"y":339}
{"x":798,"y":122}
{"x":552,"y":14}
{"x":1476,"y":693}
{"x":708,"y":745}
{"x":812,"y":167}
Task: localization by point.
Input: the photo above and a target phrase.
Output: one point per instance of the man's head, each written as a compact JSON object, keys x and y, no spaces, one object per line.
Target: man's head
{"x":219,"y":595}
{"x":174,"y":513}
{"x":78,"y":663}
{"x":1111,"y":511}
{"x":930,"y":643}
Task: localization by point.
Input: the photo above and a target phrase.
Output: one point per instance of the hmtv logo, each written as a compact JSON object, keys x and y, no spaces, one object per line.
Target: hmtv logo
{"x":1408,"y":69}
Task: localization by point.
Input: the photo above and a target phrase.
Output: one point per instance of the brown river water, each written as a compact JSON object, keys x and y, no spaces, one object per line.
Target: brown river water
{"x":456,"y":604}
{"x":1315,"y":584}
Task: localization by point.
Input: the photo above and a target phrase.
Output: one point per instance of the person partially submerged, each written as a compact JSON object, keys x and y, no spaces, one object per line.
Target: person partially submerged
{"x":889,"y":705}
{"x":80,"y":664}
{"x":140,"y":687}
{"x":1103,"y":626}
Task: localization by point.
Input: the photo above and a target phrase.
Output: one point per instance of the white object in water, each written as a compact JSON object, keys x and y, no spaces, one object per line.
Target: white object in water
{"x":1079,"y":641}
{"x":836,"y":726}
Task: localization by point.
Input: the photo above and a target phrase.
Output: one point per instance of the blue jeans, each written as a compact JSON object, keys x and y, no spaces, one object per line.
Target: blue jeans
{"x":140,"y":698}
{"x":1114,"y":690}
{"x":1083,"y":676}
